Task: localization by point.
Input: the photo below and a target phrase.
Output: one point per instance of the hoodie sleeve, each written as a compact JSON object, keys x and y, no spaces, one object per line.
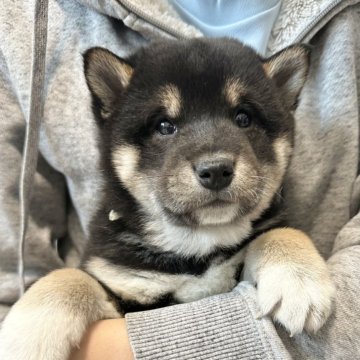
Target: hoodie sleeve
{"x":219,"y":327}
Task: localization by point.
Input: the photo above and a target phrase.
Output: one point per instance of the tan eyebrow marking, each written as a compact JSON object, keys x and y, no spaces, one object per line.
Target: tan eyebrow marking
{"x":233,"y":90}
{"x":170,"y":98}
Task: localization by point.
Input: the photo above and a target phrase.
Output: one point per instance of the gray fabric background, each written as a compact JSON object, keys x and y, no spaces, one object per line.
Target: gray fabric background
{"x":322,"y":188}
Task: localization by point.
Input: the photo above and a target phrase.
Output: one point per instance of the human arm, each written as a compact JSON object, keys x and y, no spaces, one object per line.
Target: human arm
{"x":105,"y":339}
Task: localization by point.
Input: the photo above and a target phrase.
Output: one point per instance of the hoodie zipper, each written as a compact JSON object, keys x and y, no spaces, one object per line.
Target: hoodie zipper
{"x":132,"y":8}
{"x":315,"y":21}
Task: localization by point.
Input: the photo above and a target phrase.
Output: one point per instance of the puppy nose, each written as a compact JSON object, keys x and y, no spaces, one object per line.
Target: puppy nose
{"x":215,"y":175}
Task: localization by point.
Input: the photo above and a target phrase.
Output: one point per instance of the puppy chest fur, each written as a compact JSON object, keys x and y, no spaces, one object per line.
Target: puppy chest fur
{"x":196,"y":137}
{"x":147,"y":287}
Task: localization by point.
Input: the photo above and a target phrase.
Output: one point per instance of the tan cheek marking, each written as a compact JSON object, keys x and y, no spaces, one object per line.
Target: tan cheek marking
{"x":233,"y":90}
{"x":170,"y":98}
{"x":125,"y":160}
{"x":274,"y":174}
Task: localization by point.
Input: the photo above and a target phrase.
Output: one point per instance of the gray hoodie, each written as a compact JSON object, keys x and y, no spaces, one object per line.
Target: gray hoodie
{"x":49,"y":177}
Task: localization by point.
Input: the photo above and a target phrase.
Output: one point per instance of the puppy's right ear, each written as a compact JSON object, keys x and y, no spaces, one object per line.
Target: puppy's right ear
{"x":107,"y":76}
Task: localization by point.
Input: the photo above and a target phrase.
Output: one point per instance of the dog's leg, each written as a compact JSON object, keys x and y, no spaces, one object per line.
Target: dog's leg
{"x":293,"y":282}
{"x":53,"y":315}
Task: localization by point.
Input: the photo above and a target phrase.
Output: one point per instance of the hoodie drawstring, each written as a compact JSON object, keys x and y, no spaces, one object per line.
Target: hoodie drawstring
{"x":35,"y":114}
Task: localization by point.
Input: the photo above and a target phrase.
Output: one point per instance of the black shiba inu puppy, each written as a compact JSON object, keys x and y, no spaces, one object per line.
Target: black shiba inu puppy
{"x":196,"y":136}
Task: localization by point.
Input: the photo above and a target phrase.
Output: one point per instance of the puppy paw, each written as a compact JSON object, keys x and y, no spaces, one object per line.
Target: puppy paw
{"x":52,"y":316}
{"x":296,"y":296}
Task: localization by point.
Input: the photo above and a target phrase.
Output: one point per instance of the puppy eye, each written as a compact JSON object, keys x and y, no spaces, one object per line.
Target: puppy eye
{"x":242,"y":119}
{"x":165,"y":127}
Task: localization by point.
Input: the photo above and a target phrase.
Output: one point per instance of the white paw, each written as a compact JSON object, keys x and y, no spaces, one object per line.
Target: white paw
{"x":296,"y":296}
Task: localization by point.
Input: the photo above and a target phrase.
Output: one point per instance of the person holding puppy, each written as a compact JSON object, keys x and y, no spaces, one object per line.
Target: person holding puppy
{"x":57,"y":194}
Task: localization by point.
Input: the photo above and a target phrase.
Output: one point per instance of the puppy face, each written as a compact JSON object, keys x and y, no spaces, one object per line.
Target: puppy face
{"x":199,"y":130}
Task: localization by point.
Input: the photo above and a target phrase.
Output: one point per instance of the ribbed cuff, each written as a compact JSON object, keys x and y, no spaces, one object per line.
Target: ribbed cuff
{"x":219,"y":327}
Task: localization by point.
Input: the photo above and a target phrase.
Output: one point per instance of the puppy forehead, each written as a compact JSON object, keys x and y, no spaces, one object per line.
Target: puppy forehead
{"x":193,"y":67}
{"x":171,"y":98}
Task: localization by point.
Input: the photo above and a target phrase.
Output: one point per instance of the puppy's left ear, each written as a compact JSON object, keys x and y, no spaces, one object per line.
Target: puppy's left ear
{"x":107,"y":76}
{"x":289,"y":68}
